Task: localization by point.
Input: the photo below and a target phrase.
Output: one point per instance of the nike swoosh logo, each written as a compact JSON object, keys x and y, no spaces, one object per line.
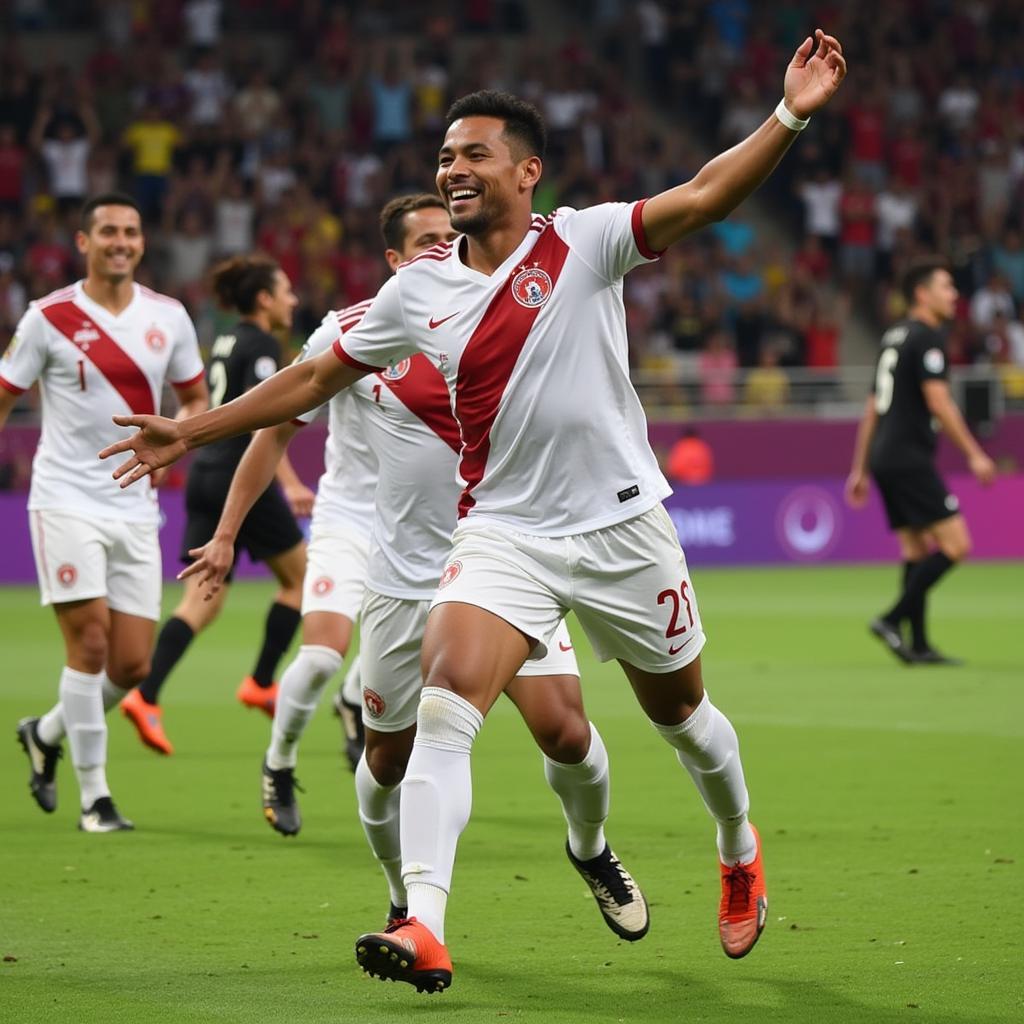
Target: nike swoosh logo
{"x":564,"y":647}
{"x":434,"y":324}
{"x":676,"y":650}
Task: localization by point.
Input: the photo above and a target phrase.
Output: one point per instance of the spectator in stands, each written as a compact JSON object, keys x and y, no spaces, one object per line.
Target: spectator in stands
{"x":151,"y":141}
{"x":993,"y":300}
{"x":690,"y":460}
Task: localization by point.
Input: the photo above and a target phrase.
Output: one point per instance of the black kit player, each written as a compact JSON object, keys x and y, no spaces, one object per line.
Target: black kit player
{"x":260,"y":291}
{"x":896,"y":443}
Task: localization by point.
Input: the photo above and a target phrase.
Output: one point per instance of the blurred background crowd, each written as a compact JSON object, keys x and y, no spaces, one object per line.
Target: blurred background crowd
{"x":284,"y":125}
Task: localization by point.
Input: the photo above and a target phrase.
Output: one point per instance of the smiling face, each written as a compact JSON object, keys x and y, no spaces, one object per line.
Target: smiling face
{"x":114,"y":244}
{"x":482,"y":180}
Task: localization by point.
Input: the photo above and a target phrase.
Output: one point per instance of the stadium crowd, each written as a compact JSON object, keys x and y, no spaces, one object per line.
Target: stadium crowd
{"x":290,"y":138}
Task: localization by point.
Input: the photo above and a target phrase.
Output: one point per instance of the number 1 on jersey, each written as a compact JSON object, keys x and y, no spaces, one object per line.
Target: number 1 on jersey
{"x":81,"y":374}
{"x":376,"y":393}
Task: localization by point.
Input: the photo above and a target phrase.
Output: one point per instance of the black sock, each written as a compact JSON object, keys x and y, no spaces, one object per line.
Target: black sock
{"x":925,"y":574}
{"x":918,"y":635}
{"x":282,"y":622}
{"x":175,"y":636}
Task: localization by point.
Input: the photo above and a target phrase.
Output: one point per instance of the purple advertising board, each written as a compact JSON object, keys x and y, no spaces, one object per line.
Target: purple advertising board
{"x":751,"y":523}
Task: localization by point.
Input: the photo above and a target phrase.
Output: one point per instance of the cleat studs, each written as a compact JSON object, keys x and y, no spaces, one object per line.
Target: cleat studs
{"x":394,"y":957}
{"x":404,"y":963}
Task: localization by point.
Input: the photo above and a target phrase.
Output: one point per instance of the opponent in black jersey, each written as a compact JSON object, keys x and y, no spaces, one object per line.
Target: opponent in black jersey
{"x":896,"y":440}
{"x":240,"y":359}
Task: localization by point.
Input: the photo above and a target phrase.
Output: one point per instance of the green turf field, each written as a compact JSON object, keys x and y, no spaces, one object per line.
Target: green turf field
{"x":889,"y":800}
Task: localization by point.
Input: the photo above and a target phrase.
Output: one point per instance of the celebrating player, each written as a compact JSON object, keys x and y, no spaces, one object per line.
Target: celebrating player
{"x":409,"y":423}
{"x":260,"y":291}
{"x":100,"y":346}
{"x":561,"y":506}
{"x":896,"y":440}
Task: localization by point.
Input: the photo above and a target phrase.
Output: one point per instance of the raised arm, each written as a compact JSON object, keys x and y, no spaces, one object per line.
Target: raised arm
{"x":724,"y":182}
{"x":941,"y":405}
{"x":288,"y":393}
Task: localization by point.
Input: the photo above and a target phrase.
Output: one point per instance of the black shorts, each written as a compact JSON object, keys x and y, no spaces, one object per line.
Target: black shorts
{"x":268,"y":530}
{"x":914,"y":497}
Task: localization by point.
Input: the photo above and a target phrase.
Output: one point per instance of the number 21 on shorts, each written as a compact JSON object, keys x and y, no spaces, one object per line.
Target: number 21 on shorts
{"x":677,"y":600}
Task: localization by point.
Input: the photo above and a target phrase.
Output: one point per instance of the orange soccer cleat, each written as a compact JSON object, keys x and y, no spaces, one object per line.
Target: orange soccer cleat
{"x":406,"y":951}
{"x":252,"y":695}
{"x":148,"y":720}
{"x":744,"y":907}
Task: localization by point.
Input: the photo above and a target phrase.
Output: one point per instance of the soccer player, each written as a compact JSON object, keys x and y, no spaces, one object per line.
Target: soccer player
{"x":259,"y":290}
{"x":561,"y":505}
{"x":896,"y":442}
{"x":99,"y":347}
{"x":407,"y":418}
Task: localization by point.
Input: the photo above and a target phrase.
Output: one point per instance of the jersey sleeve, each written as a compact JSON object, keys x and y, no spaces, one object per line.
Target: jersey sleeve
{"x":380,"y":338}
{"x":608,"y":237}
{"x":930,"y":357}
{"x":186,"y":364}
{"x":320,"y":341}
{"x":24,"y":359}
{"x":264,"y":363}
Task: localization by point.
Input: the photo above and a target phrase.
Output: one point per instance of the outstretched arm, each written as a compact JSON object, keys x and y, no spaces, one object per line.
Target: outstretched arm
{"x":288,"y":393}
{"x":723,"y":183}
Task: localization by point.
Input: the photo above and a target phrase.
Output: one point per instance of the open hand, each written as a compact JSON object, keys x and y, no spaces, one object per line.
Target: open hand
{"x":213,"y":561}
{"x":300,"y":500}
{"x":812,"y":79}
{"x":157,"y":443}
{"x":857,"y":490}
{"x":983,"y":468}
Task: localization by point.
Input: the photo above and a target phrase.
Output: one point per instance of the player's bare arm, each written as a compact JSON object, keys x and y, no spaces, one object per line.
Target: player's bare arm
{"x":812,"y":78}
{"x":288,"y":393}
{"x":857,"y":483}
{"x":7,"y":400}
{"x":941,"y":405}
{"x":253,"y":476}
{"x":300,"y":498}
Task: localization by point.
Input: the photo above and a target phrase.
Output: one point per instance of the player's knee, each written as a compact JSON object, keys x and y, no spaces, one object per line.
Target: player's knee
{"x":567,"y":740}
{"x":386,"y":764}
{"x":127,"y":674}
{"x":89,"y":646}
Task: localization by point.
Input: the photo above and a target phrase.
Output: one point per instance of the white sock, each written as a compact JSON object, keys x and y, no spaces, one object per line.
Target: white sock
{"x":436,"y":800}
{"x":584,"y":791}
{"x":297,"y":696}
{"x":708,"y":749}
{"x":51,"y":726}
{"x":352,"y":688}
{"x":378,"y":811}
{"x":81,"y":695}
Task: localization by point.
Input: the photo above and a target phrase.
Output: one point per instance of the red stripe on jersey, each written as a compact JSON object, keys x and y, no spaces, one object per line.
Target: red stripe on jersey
{"x":150,"y":294}
{"x":106,"y":355}
{"x":188,"y":383}
{"x":489,"y":359}
{"x":640,"y":236}
{"x":354,"y":363}
{"x":439,"y":253}
{"x":423,"y":391}
{"x":13,"y":388}
{"x":61,"y":295}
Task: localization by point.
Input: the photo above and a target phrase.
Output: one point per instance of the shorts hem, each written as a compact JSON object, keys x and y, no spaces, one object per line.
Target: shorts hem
{"x":389,"y":728}
{"x":660,"y":667}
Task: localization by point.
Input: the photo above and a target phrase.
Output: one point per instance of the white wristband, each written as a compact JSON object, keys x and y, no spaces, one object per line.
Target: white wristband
{"x":793,"y":123}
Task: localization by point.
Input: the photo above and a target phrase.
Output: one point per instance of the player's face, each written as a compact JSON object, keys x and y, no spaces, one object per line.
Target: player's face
{"x":114,"y":243}
{"x":281,"y":302}
{"x":478,"y":176}
{"x":424,"y":228}
{"x":941,"y":295}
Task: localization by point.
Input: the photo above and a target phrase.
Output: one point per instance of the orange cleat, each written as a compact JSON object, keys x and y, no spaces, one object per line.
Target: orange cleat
{"x":744,"y":907}
{"x":148,"y":720}
{"x":252,"y":695}
{"x":406,"y":951}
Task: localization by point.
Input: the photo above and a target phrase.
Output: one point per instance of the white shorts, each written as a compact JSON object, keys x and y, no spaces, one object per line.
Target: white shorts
{"x":335,"y":571}
{"x":79,"y":559}
{"x":391,"y":634}
{"x":628,"y":585}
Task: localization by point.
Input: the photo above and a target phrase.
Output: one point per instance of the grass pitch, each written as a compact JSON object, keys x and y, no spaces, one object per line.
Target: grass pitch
{"x":889,"y":800}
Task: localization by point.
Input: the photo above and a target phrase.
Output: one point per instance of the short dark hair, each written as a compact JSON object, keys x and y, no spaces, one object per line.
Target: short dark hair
{"x":524,"y":125}
{"x":919,"y":273}
{"x":239,"y":280}
{"x":392,"y":217}
{"x":85,"y":217}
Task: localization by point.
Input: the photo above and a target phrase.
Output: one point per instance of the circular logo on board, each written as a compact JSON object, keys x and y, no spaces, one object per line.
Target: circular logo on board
{"x":807,"y":523}
{"x":67,"y":574}
{"x":323,"y":586}
{"x":531,"y":287}
{"x":374,"y":703}
{"x":156,"y":339}
{"x":398,"y":371}
{"x":451,"y":571}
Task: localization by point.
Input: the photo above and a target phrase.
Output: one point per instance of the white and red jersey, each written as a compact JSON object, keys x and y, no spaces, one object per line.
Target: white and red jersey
{"x":344,"y":494}
{"x":535,"y":359}
{"x":92,"y":365}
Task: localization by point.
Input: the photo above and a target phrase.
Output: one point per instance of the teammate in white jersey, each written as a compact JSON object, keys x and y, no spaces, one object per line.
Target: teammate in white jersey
{"x":561,"y":503}
{"x":407,"y":419}
{"x":98,"y":348}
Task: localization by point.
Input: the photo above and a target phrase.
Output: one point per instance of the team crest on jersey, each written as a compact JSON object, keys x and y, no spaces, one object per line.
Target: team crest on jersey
{"x":323,"y":586}
{"x":398,"y":370}
{"x":156,"y":339}
{"x":374,"y":703}
{"x":84,"y":335}
{"x":451,"y":572}
{"x":67,"y":574}
{"x":531,"y":287}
